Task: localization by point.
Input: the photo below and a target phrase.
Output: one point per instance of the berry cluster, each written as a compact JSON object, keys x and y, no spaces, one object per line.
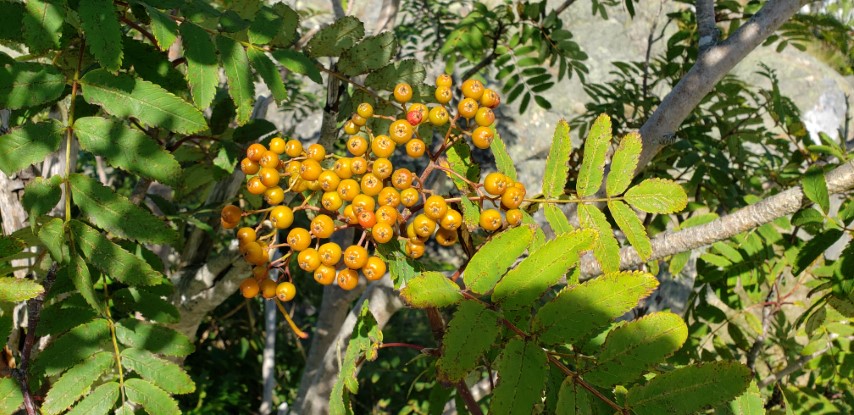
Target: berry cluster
{"x":365,"y":191}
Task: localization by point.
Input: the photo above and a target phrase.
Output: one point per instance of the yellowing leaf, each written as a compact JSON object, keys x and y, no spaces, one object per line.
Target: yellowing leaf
{"x":657,"y":196}
{"x":623,"y":164}
{"x":593,"y":162}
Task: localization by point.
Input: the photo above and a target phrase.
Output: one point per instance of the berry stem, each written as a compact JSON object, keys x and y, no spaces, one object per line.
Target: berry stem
{"x":299,"y":333}
{"x":406,"y":345}
{"x":577,"y":379}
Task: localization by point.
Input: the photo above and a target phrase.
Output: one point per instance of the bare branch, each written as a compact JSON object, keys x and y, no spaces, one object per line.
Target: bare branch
{"x":337,"y":9}
{"x":708,"y":71}
{"x":784,"y":203}
{"x":563,"y":6}
{"x":706,"y":28}
{"x":388,"y":15}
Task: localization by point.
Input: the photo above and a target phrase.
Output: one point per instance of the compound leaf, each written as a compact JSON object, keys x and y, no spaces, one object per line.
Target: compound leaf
{"x":240,"y":83}
{"x":52,"y":236}
{"x":493,"y":259}
{"x":73,"y":346}
{"x":111,"y":258}
{"x":583,"y":310}
{"x":28,"y":144}
{"x":372,"y":53}
{"x":431,"y":289}
{"x":689,"y":389}
{"x":147,"y":303}
{"x":657,"y":196}
{"x":99,"y":402}
{"x":503,"y":162}
{"x":103,"y":33}
{"x":408,"y":70}
{"x":623,"y":164}
{"x":160,"y":372}
{"x":364,"y":341}
{"x":297,"y":62}
{"x":28,"y":84}
{"x":78,"y":272}
{"x":116,"y":214}
{"x":127,"y":149}
{"x":43,"y":24}
{"x":633,"y":347}
{"x":202,"y":64}
{"x":632,"y":227}
{"x":557,"y":163}
{"x":15,"y":290}
{"x":124,"y":96}
{"x":522,"y":371}
{"x":470,"y":334}
{"x":401,"y":267}
{"x":76,"y":382}
{"x":268,"y":71}
{"x":41,"y":195}
{"x":334,"y":39}
{"x":593,"y":161}
{"x":606,"y":249}
{"x":541,"y":269}
{"x":153,"y":399}
{"x":164,"y":29}
{"x":152,"y":337}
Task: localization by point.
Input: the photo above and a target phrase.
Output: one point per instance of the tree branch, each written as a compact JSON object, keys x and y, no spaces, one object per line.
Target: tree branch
{"x":793,"y":367}
{"x":709,"y":69}
{"x":784,"y":203}
{"x":707,"y":31}
{"x":34,"y":308}
{"x":563,"y":6}
{"x":337,"y":8}
{"x":388,"y":15}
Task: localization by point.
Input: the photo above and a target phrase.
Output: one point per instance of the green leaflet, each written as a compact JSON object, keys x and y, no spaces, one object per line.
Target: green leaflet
{"x":28,"y":144}
{"x":164,"y":29}
{"x":471,"y":213}
{"x":127,"y":149}
{"x":408,"y":70}
{"x":493,"y":259}
{"x":401,"y":267}
{"x":288,"y":21}
{"x":52,"y":236}
{"x":202,"y":64}
{"x":431,"y":289}
{"x":749,"y":403}
{"x":41,"y":195}
{"x":471,"y":333}
{"x":606,"y":249}
{"x":364,"y":341}
{"x":593,"y":162}
{"x":623,"y":164}
{"x":75,"y":345}
{"x":689,"y":389}
{"x":28,"y":84}
{"x":265,"y":67}
{"x":573,"y":399}
{"x":103,"y":34}
{"x":334,"y":39}
{"x":76,"y":382}
{"x":297,"y":62}
{"x":150,"y":64}
{"x":815,"y":188}
{"x":556,"y":219}
{"x":112,"y":259}
{"x":814,"y":248}
{"x":152,"y":398}
{"x":241,"y":85}
{"x":149,"y":304}
{"x":14,"y":290}
{"x":522,"y":371}
{"x":124,"y":96}
{"x":116,"y":214}
{"x":10,"y":245}
{"x":99,"y":402}
{"x":264,"y":26}
{"x":657,"y":196}
{"x":503,"y":162}
{"x":78,"y":272}
{"x":10,"y":22}
{"x":557,"y":163}
{"x":160,"y":372}
{"x":542,"y":269}
{"x":152,"y":337}
{"x":635,"y":346}
{"x":372,"y":53}
{"x":583,"y":310}
{"x":632,"y":227}
{"x":43,"y":24}
{"x":459,"y":160}
{"x":10,"y":395}
{"x":58,"y":318}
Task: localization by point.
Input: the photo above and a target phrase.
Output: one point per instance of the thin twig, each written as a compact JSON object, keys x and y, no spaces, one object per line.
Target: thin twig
{"x":34,"y":308}
{"x":575,"y":378}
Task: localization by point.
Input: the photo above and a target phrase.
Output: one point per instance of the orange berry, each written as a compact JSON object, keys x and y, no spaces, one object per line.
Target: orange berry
{"x":268,"y":289}
{"x":277,"y":145}
{"x":382,"y":146}
{"x":331,"y":201}
{"x":249,"y":288}
{"x":438,"y":116}
{"x":383,"y":168}
{"x":443,"y":94}
{"x":365,"y":110}
{"x":324,"y":274}
{"x":310,"y":169}
{"x":269,"y":160}
{"x":444,"y":80}
{"x":435,"y":207}
{"x":255,"y":186}
{"x":512,"y":197}
{"x":293,"y":148}
{"x":350,"y":215}
{"x":357,"y":145}
{"x":322,"y":226}
{"x":386,"y":214}
{"x":348,"y":189}
{"x":254,"y":254}
{"x":343,"y":168}
{"x":248,"y":166}
{"x":328,"y":180}
{"x":359,"y":165}
{"x":355,"y":256}
{"x":402,"y":92}
{"x":482,"y":137}
{"x":514,"y":217}
{"x":452,"y":220}
{"x":415,"y":148}
{"x":402,"y":179}
{"x":330,"y":253}
{"x":382,"y":232}
{"x":316,"y":152}
{"x":269,"y":176}
{"x":255,"y":151}
{"x":490,"y":98}
{"x":374,"y":269}
{"x":495,"y":183}
{"x":286,"y":291}
{"x":400,"y":131}
{"x":414,"y":248}
{"x":367,"y":219}
{"x":389,"y":196}
{"x":231,"y":214}
{"x":293,"y":167}
{"x":358,"y":120}
{"x":371,"y":184}
{"x":348,"y":279}
{"x":260,"y":273}
{"x":409,"y":197}
{"x":467,"y":108}
{"x":227,"y":225}
{"x":282,"y":217}
{"x":351,"y":128}
{"x":274,"y":196}
{"x":490,"y":220}
{"x":299,"y":239}
{"x":446,"y":238}
{"x":424,"y":226}
{"x":362,"y":203}
{"x":484,"y":117}
{"x":308,"y":259}
{"x":472,"y":88}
